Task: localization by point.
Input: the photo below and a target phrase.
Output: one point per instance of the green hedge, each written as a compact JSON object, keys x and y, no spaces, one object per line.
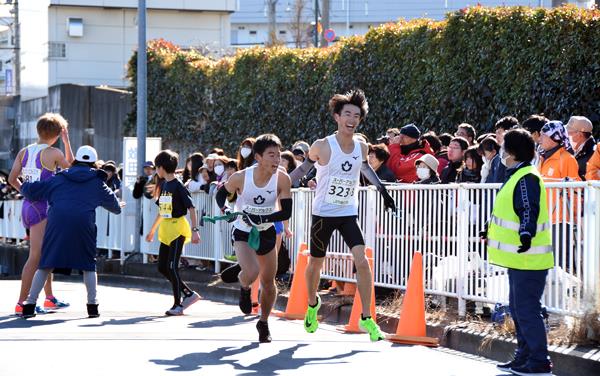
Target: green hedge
{"x":475,"y":66}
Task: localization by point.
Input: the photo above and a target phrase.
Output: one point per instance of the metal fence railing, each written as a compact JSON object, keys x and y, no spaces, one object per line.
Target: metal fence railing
{"x":441,"y":221}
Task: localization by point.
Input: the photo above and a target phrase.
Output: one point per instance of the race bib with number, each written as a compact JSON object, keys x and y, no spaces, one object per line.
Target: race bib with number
{"x":165,"y":206}
{"x":341,"y":191}
{"x":31,"y":174}
{"x":258,"y":210}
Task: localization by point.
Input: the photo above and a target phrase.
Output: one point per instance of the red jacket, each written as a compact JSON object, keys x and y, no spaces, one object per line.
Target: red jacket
{"x":403,"y":165}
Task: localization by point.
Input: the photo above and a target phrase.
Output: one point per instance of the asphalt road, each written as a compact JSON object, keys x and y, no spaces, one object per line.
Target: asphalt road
{"x":133,"y":337}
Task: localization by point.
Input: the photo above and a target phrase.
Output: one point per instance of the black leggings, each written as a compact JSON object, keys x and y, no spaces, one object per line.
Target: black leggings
{"x":168,"y":265}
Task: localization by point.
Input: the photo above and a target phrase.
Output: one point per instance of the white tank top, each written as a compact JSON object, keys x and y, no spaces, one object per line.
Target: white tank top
{"x":256,"y":200}
{"x":31,"y":170}
{"x":337,"y":182}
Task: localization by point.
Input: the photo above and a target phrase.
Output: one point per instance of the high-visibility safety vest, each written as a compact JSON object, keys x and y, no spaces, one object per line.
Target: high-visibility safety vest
{"x":503,"y":230}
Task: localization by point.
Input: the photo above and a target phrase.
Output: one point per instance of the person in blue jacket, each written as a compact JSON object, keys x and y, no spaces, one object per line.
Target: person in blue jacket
{"x":70,"y":239}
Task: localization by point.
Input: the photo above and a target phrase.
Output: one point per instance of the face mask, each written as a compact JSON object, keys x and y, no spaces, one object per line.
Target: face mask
{"x":245,"y":152}
{"x":219,"y":169}
{"x":423,"y":173}
{"x":504,"y":157}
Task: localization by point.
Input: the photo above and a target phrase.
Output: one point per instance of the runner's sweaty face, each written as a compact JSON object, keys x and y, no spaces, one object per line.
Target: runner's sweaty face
{"x":269,"y":159}
{"x":348,"y":119}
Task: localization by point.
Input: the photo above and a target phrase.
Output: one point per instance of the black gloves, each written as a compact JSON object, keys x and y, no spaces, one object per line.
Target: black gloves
{"x":388,"y":201}
{"x":483,"y":234}
{"x":525,"y":243}
{"x":252,"y":219}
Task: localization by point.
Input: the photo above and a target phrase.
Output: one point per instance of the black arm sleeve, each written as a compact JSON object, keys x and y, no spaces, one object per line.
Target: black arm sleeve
{"x":371,"y":175}
{"x":221,"y":196}
{"x":283,"y":215}
{"x":300,"y":171}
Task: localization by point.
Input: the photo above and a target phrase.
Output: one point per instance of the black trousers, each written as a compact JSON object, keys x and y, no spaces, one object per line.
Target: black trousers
{"x":168,"y":265}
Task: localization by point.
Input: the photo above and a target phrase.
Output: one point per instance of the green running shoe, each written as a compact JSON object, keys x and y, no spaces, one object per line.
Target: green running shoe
{"x":371,"y":327}
{"x":311,"y":322}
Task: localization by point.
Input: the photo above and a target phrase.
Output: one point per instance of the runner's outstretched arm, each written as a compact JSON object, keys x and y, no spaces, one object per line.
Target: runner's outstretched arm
{"x":372,"y":177}
{"x":301,"y":171}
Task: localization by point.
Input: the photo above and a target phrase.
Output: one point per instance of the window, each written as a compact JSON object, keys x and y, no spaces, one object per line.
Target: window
{"x":57,"y":50}
{"x":75,"y":27}
{"x":282,"y":32}
{"x":253,"y":32}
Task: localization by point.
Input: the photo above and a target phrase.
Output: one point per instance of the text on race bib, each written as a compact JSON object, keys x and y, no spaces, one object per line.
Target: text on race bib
{"x":165,"y":206}
{"x":31,"y":174}
{"x":340,"y":191}
{"x":257,"y":210}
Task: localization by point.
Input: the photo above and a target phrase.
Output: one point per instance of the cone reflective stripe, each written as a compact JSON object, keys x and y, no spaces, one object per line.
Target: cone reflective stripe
{"x":411,"y":325}
{"x":352,"y":326}
{"x":298,"y":297}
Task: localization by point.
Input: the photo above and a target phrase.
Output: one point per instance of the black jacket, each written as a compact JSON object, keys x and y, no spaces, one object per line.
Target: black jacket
{"x":385,"y":174}
{"x":584,"y":155}
{"x":449,"y":172}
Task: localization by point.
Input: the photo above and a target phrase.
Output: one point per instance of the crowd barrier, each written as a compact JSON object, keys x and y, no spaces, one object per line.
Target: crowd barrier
{"x":441,"y":221}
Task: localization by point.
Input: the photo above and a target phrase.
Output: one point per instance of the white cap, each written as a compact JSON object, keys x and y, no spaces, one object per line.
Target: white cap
{"x":86,"y":153}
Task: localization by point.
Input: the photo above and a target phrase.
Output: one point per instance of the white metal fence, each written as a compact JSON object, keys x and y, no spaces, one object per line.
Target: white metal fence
{"x":441,"y":221}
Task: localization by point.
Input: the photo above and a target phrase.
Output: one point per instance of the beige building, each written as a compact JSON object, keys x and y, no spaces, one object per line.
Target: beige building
{"x":89,"y":42}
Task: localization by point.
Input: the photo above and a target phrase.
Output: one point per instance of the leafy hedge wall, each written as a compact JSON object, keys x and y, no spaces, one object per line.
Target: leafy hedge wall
{"x":475,"y":66}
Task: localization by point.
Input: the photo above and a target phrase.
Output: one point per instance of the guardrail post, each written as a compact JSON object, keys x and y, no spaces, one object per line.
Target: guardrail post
{"x":371,"y":220}
{"x":462,"y":244}
{"x":217,"y":243}
{"x":591,"y":258}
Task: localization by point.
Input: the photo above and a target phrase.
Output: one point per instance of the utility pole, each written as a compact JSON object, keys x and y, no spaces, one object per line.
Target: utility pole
{"x":325,"y":19}
{"x":141,"y":112}
{"x":17,"y":58}
{"x":272,"y":12}
{"x":317,"y":23}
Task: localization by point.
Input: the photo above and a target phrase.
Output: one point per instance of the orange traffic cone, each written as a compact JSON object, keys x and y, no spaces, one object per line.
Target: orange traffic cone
{"x":254,"y":294}
{"x":349,"y":289}
{"x":411,"y":326}
{"x":352,"y":326}
{"x":298,"y":297}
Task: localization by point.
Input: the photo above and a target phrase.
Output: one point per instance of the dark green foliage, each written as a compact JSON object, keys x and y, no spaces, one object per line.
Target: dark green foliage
{"x":476,"y":66}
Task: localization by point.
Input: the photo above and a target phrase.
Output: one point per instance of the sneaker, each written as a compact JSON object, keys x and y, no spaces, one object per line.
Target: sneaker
{"x":311,"y":322}
{"x":92,"y":310}
{"x":38,"y":310}
{"x":370,"y":326}
{"x":175,"y":311}
{"x":528,"y":370}
{"x":53,"y":303}
{"x":505,"y":367}
{"x":264,"y":335}
{"x":245,"y":300}
{"x":189,"y":300}
{"x":28,"y":311}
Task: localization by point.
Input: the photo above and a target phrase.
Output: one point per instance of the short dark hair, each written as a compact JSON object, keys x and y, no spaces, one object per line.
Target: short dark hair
{"x":433,"y":140}
{"x":472,"y":153}
{"x":381,"y":152}
{"x":217,"y":151}
{"x":265,"y":141}
{"x":534,"y":123}
{"x":464,"y":144}
{"x":506,"y":123}
{"x":445,"y":138}
{"x":50,"y":125}
{"x":232,"y":163}
{"x":109,"y":166}
{"x":488,"y":144}
{"x":469,"y":129}
{"x":289,"y":156}
{"x":519,"y":143}
{"x":168,"y":160}
{"x":354,"y":97}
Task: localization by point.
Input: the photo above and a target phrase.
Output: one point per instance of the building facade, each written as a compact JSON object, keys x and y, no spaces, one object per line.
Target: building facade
{"x":249,"y":24}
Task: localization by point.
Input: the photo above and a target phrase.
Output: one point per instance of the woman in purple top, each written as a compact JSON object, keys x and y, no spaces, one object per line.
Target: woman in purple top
{"x":38,"y":162}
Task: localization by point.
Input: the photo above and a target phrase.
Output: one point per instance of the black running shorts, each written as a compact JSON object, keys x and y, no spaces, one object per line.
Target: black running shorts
{"x":322,"y":228}
{"x":267,"y":239}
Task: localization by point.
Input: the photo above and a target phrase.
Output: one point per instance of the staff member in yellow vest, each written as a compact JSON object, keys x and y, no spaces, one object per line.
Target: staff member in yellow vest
{"x":519,"y":238}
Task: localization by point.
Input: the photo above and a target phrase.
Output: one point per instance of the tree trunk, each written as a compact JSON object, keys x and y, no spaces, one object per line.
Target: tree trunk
{"x":272,"y":12}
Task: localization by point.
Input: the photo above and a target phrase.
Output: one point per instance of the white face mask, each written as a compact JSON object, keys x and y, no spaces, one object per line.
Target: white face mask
{"x":245,"y":152}
{"x":423,"y":173}
{"x":504,"y":157}
{"x":219,"y":169}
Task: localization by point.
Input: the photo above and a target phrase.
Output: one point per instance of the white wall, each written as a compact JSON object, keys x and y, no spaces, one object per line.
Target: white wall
{"x":109,"y":38}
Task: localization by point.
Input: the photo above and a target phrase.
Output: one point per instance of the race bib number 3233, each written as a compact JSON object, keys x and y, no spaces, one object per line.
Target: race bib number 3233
{"x":341,"y":191}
